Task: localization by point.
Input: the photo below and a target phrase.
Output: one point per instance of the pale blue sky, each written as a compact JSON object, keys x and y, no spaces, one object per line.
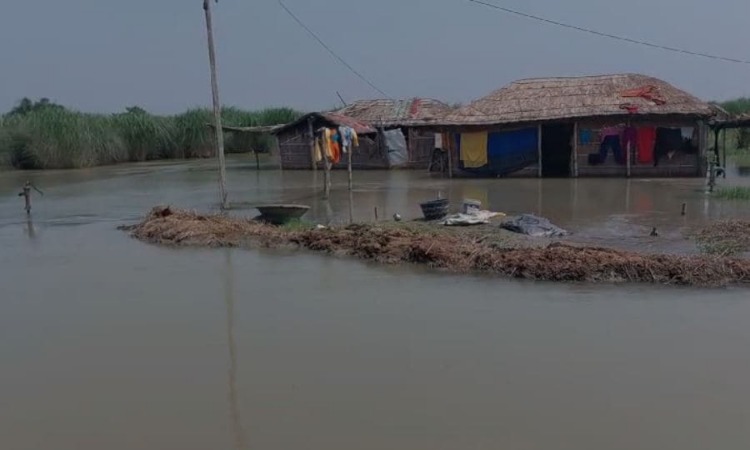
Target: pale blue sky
{"x":103,"y":55}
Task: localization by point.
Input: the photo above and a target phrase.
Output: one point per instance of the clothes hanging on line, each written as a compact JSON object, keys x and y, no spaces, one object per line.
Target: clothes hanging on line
{"x":349,"y":138}
{"x":646,"y":143}
{"x":586,"y":137}
{"x":318,"y":152}
{"x":629,"y":137}
{"x":687,"y":133}
{"x":613,"y":143}
{"x":474,"y":149}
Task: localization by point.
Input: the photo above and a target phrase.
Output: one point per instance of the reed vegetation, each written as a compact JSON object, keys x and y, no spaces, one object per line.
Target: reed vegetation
{"x":45,"y":135}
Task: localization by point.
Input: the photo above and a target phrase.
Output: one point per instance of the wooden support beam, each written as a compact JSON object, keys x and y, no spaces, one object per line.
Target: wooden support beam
{"x":575,"y":150}
{"x":539,"y":150}
{"x":311,"y":139}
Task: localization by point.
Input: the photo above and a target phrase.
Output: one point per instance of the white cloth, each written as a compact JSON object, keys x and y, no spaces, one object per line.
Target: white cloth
{"x":438,"y":140}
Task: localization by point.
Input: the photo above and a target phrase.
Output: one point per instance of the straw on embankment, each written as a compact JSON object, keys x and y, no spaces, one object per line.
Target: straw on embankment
{"x":727,"y":237}
{"x":393,"y":245}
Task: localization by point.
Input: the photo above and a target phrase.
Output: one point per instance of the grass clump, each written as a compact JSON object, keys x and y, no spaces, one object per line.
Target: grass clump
{"x":733,"y":193}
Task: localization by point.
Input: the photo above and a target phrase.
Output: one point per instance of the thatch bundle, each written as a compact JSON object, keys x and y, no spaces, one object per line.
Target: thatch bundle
{"x":547,"y":99}
{"x":456,"y":253}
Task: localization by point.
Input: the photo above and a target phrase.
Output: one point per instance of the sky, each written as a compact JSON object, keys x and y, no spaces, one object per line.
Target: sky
{"x":105,"y":55}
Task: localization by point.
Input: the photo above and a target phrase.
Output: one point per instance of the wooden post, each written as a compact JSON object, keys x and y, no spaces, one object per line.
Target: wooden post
{"x":724,"y":147}
{"x":539,"y":150}
{"x":349,"y":165}
{"x":575,"y":150}
{"x":627,"y":152}
{"x":449,"y":150}
{"x":218,"y":130}
{"x":311,"y":134}
{"x":326,"y":173}
{"x":26,"y":193}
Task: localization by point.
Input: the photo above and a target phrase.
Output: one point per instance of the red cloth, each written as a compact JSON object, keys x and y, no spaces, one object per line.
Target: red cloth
{"x":646,"y":144}
{"x":648,"y":92}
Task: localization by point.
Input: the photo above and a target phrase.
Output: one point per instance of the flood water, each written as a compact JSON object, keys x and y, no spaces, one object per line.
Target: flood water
{"x":109,"y":343}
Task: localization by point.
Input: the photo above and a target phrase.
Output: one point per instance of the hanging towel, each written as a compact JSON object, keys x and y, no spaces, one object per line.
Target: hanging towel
{"x":325,"y":143}
{"x":629,"y":136}
{"x":318,"y":153}
{"x":687,"y":132}
{"x":438,"y":140}
{"x":346,"y":141}
{"x":646,"y":142}
{"x":474,"y":149}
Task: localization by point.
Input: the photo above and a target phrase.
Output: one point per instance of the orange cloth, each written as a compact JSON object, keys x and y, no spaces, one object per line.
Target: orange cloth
{"x":335,"y":152}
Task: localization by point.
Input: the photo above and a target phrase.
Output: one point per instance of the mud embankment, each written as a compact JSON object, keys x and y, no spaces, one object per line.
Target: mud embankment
{"x":454,"y":252}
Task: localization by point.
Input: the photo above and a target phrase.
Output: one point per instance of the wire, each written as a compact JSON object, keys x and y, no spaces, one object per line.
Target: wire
{"x":607,"y":35}
{"x":333,"y":53}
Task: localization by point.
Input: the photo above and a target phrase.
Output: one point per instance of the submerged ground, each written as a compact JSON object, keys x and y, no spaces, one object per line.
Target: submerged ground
{"x":111,"y":343}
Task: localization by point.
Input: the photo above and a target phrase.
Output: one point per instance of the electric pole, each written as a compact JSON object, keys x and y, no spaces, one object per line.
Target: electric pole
{"x":218,"y":131}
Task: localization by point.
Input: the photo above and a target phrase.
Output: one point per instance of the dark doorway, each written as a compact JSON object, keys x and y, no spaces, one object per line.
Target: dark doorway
{"x":557,"y":142}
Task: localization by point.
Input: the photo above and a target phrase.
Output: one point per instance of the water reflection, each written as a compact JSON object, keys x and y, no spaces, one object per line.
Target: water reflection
{"x":238,"y":429}
{"x":30,"y":231}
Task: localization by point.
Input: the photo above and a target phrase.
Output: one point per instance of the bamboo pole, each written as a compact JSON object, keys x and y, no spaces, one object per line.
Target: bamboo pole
{"x":349,"y":165}
{"x":326,"y":174}
{"x":627,"y":152}
{"x":575,"y":150}
{"x":539,"y":150}
{"x":724,"y":148}
{"x":218,"y":131}
{"x":311,"y":134}
{"x":449,"y":149}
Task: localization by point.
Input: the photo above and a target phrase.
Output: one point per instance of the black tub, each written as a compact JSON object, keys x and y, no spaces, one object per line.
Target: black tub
{"x":435,"y":209}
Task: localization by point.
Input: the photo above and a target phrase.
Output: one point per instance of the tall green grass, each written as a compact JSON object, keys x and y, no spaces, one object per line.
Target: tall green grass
{"x":48,"y":136}
{"x":733,"y":193}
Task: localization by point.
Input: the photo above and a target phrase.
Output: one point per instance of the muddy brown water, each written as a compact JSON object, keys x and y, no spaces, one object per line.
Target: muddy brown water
{"x":109,"y":343}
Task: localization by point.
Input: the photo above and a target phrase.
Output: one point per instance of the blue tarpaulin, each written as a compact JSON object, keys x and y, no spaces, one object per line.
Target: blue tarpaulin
{"x":510,"y":151}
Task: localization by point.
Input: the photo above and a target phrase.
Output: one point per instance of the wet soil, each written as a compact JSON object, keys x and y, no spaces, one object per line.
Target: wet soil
{"x":452,"y":249}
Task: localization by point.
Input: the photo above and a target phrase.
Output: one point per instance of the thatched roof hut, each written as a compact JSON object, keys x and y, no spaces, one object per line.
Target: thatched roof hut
{"x":397,"y":113}
{"x":329,"y":120}
{"x":554,"y":99}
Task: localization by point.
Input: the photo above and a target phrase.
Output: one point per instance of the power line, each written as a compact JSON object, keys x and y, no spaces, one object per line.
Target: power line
{"x":607,"y":35}
{"x":330,"y":50}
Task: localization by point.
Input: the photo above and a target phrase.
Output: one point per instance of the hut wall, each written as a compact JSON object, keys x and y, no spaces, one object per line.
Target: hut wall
{"x":680,"y":165}
{"x":421,"y":145}
{"x":294,"y":148}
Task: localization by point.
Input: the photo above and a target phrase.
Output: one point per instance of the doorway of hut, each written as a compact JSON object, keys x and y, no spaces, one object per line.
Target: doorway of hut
{"x":557,"y":142}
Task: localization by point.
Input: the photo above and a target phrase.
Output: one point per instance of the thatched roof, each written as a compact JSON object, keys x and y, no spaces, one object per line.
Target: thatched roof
{"x":740,"y":121}
{"x":329,"y":120}
{"x":548,"y":99}
{"x":397,"y":113}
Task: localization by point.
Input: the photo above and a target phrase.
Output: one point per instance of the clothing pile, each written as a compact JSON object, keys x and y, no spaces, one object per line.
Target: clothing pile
{"x":534,"y":226}
{"x":333,"y":142}
{"x":474,"y":217}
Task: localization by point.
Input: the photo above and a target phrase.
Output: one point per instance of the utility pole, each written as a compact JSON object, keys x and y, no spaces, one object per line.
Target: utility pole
{"x":218,"y":131}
